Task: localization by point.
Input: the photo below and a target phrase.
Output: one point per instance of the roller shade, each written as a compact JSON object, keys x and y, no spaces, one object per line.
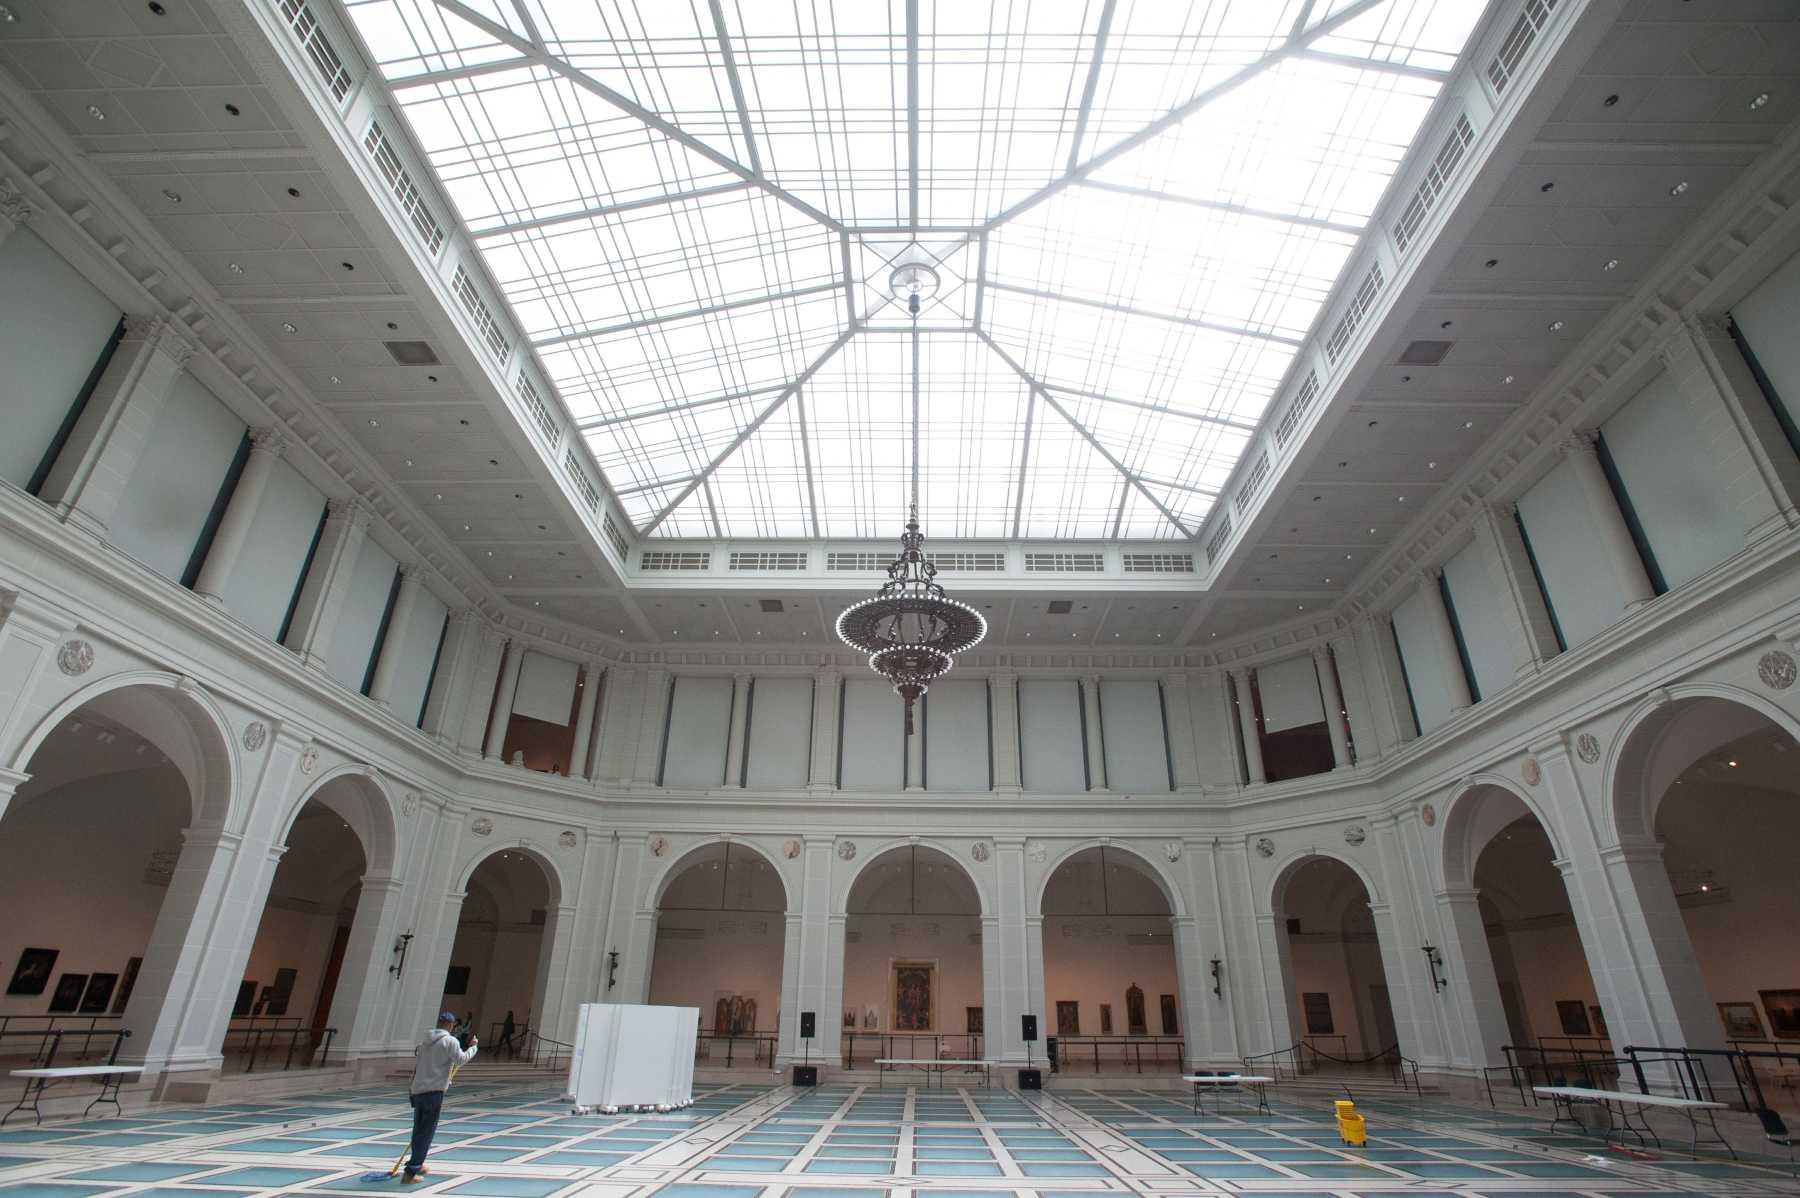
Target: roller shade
{"x":546,"y":688}
{"x":874,"y":744}
{"x":956,"y":735}
{"x":780,"y":733}
{"x":1131,"y":716}
{"x":699,"y":726}
{"x":1054,"y":758}
{"x":1290,"y":694}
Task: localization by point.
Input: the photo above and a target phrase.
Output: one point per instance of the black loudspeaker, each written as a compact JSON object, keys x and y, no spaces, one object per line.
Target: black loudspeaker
{"x":1031,"y":1079}
{"x":806,"y":1075}
{"x":1028,"y":1027}
{"x":808,"y":1022}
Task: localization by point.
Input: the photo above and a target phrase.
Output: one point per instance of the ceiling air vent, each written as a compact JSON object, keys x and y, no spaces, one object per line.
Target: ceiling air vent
{"x":1303,"y":398}
{"x":771,"y":606}
{"x":1060,"y":607}
{"x":1253,"y":482}
{"x":412,"y":353}
{"x":1425,"y":353}
{"x":325,"y":60}
{"x":669,"y":559}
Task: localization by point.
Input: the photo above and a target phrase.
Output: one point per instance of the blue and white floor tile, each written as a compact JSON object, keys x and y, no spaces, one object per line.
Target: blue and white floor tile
{"x":742,"y":1141}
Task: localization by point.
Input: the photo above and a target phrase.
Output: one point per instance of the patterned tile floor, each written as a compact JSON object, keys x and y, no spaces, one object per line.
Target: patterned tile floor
{"x":752,"y":1141}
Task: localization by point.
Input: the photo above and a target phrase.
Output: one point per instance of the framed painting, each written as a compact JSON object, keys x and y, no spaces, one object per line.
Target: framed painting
{"x":913,"y":998}
{"x":246,"y":999}
{"x":975,"y":1020}
{"x":1316,"y":1005}
{"x":281,"y":991}
{"x":1574,"y":1015}
{"x":67,"y":996}
{"x":1106,"y":1019}
{"x":1599,"y":1020}
{"x":1068,"y":1018}
{"x":1783,"y":1009}
{"x":122,"y":995}
{"x":456,"y":979}
{"x":1135,"y":1021}
{"x":99,"y":992}
{"x":32,"y":973}
{"x":1741,"y":1021}
{"x":1171,"y":1023}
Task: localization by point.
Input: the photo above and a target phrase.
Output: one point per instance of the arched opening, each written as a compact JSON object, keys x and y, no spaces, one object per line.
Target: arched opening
{"x":1339,"y":1004}
{"x":1714,"y":783}
{"x":98,"y":873}
{"x":913,"y":984}
{"x":285,"y":1012}
{"x":1109,"y":964}
{"x":720,"y":938}
{"x":498,"y":964}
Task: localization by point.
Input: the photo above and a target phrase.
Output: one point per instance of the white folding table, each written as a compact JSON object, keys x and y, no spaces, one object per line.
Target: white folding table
{"x":1223,"y":1081}
{"x":930,"y":1065}
{"x":1563,"y":1100}
{"x":110,"y":1077}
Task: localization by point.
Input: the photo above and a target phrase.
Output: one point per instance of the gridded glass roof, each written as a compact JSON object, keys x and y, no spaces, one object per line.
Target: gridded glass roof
{"x":1134,"y":209}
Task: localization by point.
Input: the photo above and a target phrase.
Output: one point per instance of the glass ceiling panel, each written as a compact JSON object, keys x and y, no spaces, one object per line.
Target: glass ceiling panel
{"x":1136,"y":211}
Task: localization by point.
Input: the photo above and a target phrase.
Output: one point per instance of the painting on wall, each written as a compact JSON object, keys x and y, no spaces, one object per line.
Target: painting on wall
{"x":849,"y":1019}
{"x":126,"y":982}
{"x":281,"y":992}
{"x":733,"y":1015}
{"x":1783,"y":1009}
{"x":913,"y":996}
{"x":871,"y":1019}
{"x":67,"y":997}
{"x":33,"y":971}
{"x":246,"y":997}
{"x":456,"y":979}
{"x":1741,"y":1021}
{"x":1171,"y":1024}
{"x":1317,"y":1006}
{"x":1599,"y":1020}
{"x":99,"y":992}
{"x":1574,"y":1015}
{"x":1106,"y":1019}
{"x":975,"y":1020}
{"x":1135,"y":1021}
{"x":1068,"y":1018}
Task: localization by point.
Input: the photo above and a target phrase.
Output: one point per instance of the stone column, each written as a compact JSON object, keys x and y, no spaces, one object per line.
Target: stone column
{"x":1474,"y":991}
{"x":90,"y":474}
{"x":494,"y":748}
{"x":393,"y":645}
{"x":366,"y":990}
{"x":1381,"y":667}
{"x":652,"y":721}
{"x":10,"y":781}
{"x":15,"y":210}
{"x":1246,"y":714}
{"x":1193,"y":988}
{"x":787,"y":1032}
{"x":1616,"y":547}
{"x":741,"y":687}
{"x":1355,"y":694}
{"x":821,"y":774}
{"x":1178,"y":718}
{"x":479,"y":694}
{"x":1528,"y":627}
{"x":1006,"y":955}
{"x":1003,"y":706}
{"x":1248,"y":944}
{"x":556,"y":951}
{"x":266,"y":447}
{"x":1740,"y":436}
{"x":620,"y":709}
{"x":32,"y":633}
{"x":433,"y":923}
{"x":1096,"y":739}
{"x":1443,"y":638}
{"x":1401,"y":930}
{"x":1334,"y":707}
{"x":328,"y":581}
{"x":592,"y":674}
{"x":815,"y":947}
{"x":1215,"y":729}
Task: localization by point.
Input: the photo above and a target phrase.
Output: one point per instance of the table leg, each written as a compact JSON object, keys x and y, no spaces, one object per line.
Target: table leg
{"x":31,"y":1098}
{"x":109,"y":1094}
{"x":1262,"y":1099}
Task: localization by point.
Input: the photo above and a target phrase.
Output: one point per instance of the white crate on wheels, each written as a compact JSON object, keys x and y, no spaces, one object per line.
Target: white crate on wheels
{"x":633,"y":1056}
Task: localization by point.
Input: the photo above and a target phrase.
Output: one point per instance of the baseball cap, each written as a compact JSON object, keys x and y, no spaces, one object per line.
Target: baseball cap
{"x":448,"y":1017}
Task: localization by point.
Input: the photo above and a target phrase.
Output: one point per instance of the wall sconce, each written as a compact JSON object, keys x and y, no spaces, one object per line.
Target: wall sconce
{"x":612,"y":968}
{"x":1435,"y":960}
{"x":400,"y":943}
{"x":1218,"y":992}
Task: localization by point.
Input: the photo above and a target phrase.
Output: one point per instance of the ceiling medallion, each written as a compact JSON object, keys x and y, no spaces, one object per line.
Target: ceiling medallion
{"x":911,"y":630}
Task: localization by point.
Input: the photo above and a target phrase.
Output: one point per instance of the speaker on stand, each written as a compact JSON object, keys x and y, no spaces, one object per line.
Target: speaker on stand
{"x":808,"y":1073}
{"x":1030,"y":1078}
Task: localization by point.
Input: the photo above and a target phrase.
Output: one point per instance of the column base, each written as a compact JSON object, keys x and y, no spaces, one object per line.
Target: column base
{"x":821,"y":788}
{"x":77,"y":518}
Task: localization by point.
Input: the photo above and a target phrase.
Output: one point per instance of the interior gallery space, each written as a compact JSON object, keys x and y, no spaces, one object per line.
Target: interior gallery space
{"x":1124,"y":538}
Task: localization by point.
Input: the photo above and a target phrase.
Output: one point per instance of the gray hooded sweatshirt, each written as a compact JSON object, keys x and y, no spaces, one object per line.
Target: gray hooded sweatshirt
{"x":433,"y":1060}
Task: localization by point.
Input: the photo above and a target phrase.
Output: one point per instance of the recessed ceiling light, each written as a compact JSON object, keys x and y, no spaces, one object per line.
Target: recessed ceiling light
{"x":1507,"y":380}
{"x":1327,"y":579}
{"x":439,"y":495}
{"x":1611,"y":100}
{"x":1491,"y":263}
{"x":1758,"y":100}
{"x":1468,"y":424}
{"x":409,"y":461}
{"x":1446,"y":324}
{"x":1679,"y":188}
{"x":234,"y":110}
{"x":1547,"y":187}
{"x":288,"y":326}
{"x":1732,"y":764}
{"x":94,"y":111}
{"x":1400,"y":498}
{"x":540,"y":603}
{"x":1556,"y":326}
{"x":336,"y":381}
{"x":6,"y":15}
{"x":171,"y":195}
{"x":1348,"y":556}
{"x":236,"y":267}
{"x":490,"y":553}
{"x":294,"y":192}
{"x":374,"y":423}
{"x":1611,"y":264}
{"x":1431,"y":465}
{"x":1303,"y":607}
{"x":466,"y":528}
{"x":1371,"y":532}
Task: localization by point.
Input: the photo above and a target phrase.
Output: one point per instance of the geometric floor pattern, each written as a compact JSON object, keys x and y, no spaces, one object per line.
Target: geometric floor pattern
{"x":757,"y":1141}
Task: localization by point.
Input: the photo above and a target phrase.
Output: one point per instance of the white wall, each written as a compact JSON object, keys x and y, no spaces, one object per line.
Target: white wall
{"x":172,"y":491}
{"x":1584,"y":594}
{"x":1767,"y":318}
{"x":1052,"y":756}
{"x":268,"y":571}
{"x":703,"y":955}
{"x":1481,"y":617}
{"x":1131,"y":717}
{"x":365,"y":599}
{"x":417,"y":652}
{"x":1091,"y":959}
{"x":699,"y":726}
{"x":956,"y":736}
{"x":780,"y":733}
{"x":1680,"y":504}
{"x":875,"y":942}
{"x":874,"y":741}
{"x":53,"y":326}
{"x":1425,"y":667}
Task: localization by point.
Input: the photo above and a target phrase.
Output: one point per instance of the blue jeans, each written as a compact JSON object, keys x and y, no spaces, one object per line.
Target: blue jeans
{"x":426,"y":1109}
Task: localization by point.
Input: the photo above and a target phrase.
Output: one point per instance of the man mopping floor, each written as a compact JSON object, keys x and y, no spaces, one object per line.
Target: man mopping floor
{"x":435,"y":1062}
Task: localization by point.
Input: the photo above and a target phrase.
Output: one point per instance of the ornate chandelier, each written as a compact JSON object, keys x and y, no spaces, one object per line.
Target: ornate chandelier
{"x":911,"y":630}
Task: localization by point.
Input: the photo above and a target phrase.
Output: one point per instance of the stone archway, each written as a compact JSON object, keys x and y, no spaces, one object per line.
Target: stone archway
{"x":1331,"y":958}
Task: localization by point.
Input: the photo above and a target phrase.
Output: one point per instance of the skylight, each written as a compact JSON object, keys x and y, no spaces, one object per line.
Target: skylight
{"x":1135,"y":210}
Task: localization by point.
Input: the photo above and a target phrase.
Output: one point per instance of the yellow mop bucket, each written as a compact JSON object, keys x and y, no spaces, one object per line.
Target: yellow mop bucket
{"x":1351,"y":1129}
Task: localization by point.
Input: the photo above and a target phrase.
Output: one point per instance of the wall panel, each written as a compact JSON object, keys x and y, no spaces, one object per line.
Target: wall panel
{"x":1481,"y":616}
{"x":699,"y":725}
{"x":780,"y":733}
{"x":956,"y":736}
{"x":1131,"y":716}
{"x":172,"y":490}
{"x":371,"y":580}
{"x":1565,"y":542}
{"x":1425,"y":667}
{"x":417,"y":652}
{"x":262,"y":585}
{"x":546,"y":688}
{"x":1050,"y":735}
{"x":874,"y":742}
{"x":1289,"y":691}
{"x":1768,"y":318}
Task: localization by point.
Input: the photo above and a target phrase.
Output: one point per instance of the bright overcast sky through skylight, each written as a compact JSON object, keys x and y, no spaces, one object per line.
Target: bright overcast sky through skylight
{"x":1135,"y":209}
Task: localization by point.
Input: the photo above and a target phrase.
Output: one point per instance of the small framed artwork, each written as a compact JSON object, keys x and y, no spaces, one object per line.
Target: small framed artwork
{"x":281,"y":991}
{"x":1106,"y":1019}
{"x":975,"y":1020}
{"x":67,"y":996}
{"x":456,"y":980}
{"x":33,"y":971}
{"x":1741,"y":1021}
{"x":1599,"y":1018}
{"x":849,"y":1019}
{"x":1783,"y":1010}
{"x":1574,"y":1015}
{"x":1068,"y":1018}
{"x":1316,"y":1006}
{"x":99,"y":992}
{"x":122,"y":995}
{"x":246,"y":999}
{"x":1171,"y":1023}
